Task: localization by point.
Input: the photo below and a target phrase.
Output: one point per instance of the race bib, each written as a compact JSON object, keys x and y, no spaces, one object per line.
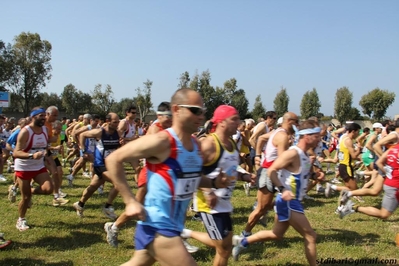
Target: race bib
{"x":186,"y":185}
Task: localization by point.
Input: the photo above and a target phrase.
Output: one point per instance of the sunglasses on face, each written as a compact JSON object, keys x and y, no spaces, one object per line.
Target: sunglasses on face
{"x":296,"y":120}
{"x":195,"y":110}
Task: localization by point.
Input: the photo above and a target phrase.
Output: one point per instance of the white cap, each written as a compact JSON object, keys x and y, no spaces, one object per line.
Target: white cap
{"x":280,"y":121}
{"x":377,"y":125}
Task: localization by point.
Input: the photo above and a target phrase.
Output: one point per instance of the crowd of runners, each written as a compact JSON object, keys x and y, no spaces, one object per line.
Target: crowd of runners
{"x":181,"y":161}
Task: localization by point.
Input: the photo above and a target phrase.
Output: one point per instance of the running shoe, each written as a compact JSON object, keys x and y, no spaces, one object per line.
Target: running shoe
{"x":110,"y":212}
{"x":22,"y":225}
{"x":112,"y":235}
{"x":79,"y":210}
{"x":189,"y":248}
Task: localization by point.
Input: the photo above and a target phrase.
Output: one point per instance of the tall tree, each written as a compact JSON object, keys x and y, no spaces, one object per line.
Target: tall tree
{"x":103,"y":101}
{"x":31,"y":67}
{"x":6,"y":64}
{"x":122,"y":105}
{"x":343,"y":105}
{"x":47,"y":100}
{"x":310,"y":104}
{"x":236,"y":97}
{"x":376,"y":102}
{"x":281,"y":102}
{"x":259,"y":110}
{"x":75,"y":101}
{"x":211,"y":96}
{"x":143,"y":99}
{"x":184,"y":80}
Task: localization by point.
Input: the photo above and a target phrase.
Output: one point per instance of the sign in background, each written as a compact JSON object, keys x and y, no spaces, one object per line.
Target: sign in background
{"x":4,"y":100}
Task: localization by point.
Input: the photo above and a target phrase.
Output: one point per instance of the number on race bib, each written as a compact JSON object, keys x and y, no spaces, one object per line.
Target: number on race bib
{"x":186,"y":186}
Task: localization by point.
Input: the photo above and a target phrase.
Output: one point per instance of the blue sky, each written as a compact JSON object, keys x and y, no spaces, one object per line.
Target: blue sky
{"x":300,"y":45}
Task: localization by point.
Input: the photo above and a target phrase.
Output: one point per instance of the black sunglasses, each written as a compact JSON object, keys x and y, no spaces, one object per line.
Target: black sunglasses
{"x":196,"y":110}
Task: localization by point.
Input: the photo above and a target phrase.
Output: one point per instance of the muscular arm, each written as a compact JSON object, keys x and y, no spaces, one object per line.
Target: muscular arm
{"x":280,"y":141}
{"x":381,"y":161}
{"x":261,"y":129}
{"x":390,"y":138}
{"x":262,"y":140}
{"x":155,"y":147}
{"x":349,"y":145}
{"x":369,"y":143}
{"x":94,"y":133}
{"x":335,"y":133}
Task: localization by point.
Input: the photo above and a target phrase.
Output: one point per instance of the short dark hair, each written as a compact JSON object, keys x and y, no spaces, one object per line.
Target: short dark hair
{"x":269,"y":114}
{"x":163,"y":106}
{"x":129,"y":108}
{"x":366,"y":130}
{"x":353,"y":127}
{"x":95,"y":116}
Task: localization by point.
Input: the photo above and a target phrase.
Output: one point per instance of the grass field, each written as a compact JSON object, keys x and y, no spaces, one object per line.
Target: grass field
{"x":58,"y":237}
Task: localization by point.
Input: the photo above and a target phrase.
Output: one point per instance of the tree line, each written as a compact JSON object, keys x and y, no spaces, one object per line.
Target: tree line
{"x":25,"y":69}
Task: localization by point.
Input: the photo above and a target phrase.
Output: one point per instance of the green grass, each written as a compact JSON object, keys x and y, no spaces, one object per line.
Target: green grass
{"x":58,"y":237}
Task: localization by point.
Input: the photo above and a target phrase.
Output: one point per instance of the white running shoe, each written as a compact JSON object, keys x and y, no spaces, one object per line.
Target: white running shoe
{"x":237,"y":249}
{"x":70,"y":180}
{"x":189,"y":248}
{"x":2,"y":178}
{"x":110,"y":212}
{"x":347,"y":209}
{"x":247,"y":188}
{"x":86,"y":174}
{"x":335,"y":181}
{"x":328,"y":190}
{"x":79,"y":210}
{"x":112,"y":235}
{"x":12,"y":193}
{"x":22,"y":225}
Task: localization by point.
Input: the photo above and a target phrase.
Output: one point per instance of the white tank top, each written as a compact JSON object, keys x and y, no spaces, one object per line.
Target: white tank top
{"x":297,"y":182}
{"x":271,"y":150}
{"x":36,"y":143}
{"x":131,"y":129}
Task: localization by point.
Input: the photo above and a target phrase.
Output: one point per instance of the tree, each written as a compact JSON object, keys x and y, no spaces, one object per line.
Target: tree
{"x":281,"y":102}
{"x":376,"y":102}
{"x":143,"y":99}
{"x":47,"y":100}
{"x":343,"y":105}
{"x":211,"y":96}
{"x":259,"y":110}
{"x":310,"y":104}
{"x":31,"y":68}
{"x":355,"y":114}
{"x":103,"y":101}
{"x":184,"y":80}
{"x":235,"y":97}
{"x":122,"y":105}
{"x":75,"y":101}
{"x":6,"y":66}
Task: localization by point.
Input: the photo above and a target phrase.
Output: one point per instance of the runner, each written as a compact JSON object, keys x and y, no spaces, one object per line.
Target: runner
{"x":29,"y":152}
{"x":294,"y":165}
{"x":108,"y":141}
{"x":174,"y":172}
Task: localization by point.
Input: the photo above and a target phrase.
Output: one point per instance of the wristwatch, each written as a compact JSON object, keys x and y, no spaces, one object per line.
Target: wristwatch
{"x":258,"y":155}
{"x":30,"y":156}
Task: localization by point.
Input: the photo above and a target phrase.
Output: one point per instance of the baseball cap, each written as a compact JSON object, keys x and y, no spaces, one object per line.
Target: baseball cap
{"x":223,"y":112}
{"x":377,"y":125}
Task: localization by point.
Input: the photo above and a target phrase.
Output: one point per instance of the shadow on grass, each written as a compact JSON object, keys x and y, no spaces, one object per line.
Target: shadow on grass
{"x":76,"y":240}
{"x":32,"y":262}
{"x":347,"y":237}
